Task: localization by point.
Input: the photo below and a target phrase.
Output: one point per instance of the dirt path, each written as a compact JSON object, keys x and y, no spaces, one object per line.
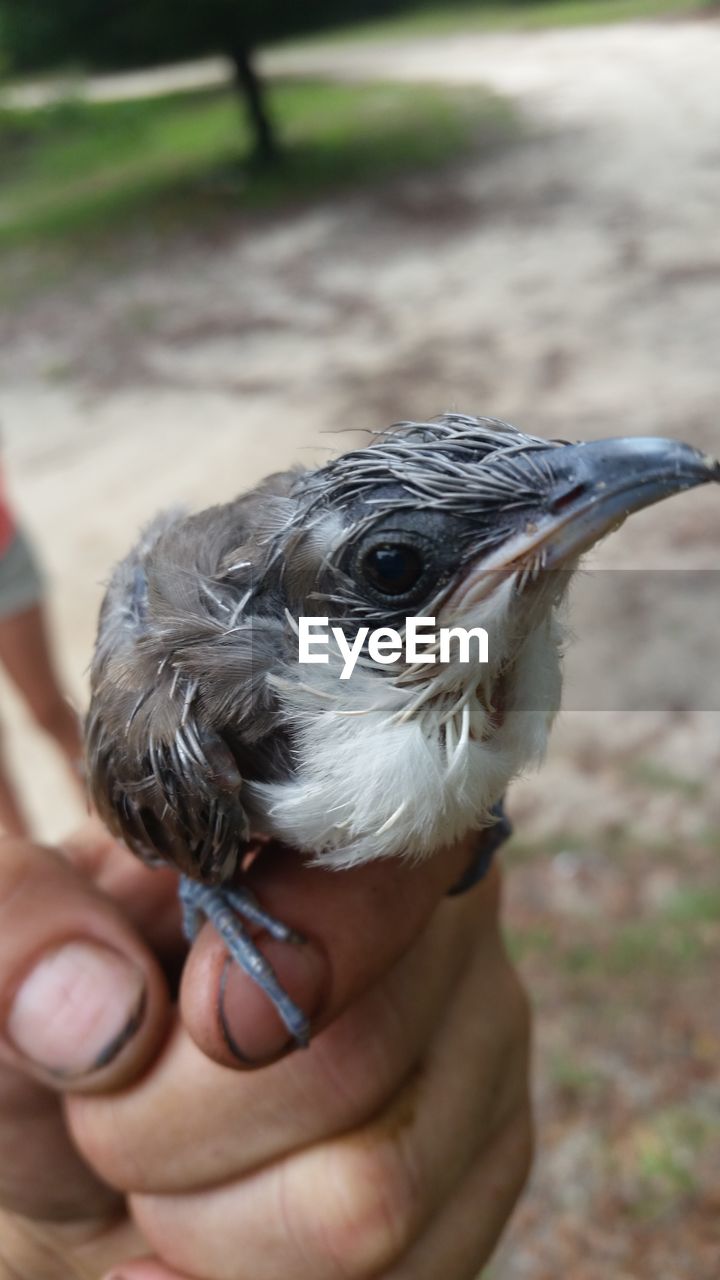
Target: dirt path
{"x":570,"y":68}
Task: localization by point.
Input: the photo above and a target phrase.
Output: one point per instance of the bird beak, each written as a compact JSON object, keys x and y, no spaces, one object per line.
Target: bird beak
{"x":583,"y":492}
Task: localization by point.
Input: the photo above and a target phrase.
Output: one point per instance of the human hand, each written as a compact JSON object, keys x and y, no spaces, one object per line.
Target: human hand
{"x":395,"y":1146}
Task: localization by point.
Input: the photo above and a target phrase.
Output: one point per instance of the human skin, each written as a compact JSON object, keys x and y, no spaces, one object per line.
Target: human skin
{"x":395,"y":1147}
{"x":26,"y":657}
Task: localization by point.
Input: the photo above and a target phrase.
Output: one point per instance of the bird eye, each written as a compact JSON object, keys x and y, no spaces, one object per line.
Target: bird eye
{"x":393,"y":569}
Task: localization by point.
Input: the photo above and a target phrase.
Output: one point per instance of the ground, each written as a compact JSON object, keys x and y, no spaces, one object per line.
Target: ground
{"x":566,"y":277}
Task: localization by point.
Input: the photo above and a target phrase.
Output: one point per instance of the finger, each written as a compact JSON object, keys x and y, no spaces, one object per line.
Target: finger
{"x":83,"y":1004}
{"x":134,"y":1138}
{"x":147,"y":895}
{"x":460,"y":1241}
{"x":355,"y":1205}
{"x":42,"y":1175}
{"x":72,"y":1250}
{"x":145,"y":1269}
{"x":357,"y":923}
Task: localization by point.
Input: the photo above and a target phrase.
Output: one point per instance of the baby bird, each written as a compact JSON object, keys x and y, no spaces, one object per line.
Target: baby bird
{"x":206,"y":731}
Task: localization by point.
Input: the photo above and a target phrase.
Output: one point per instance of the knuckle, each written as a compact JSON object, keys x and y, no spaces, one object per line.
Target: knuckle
{"x":359,"y":1074}
{"x":516,"y":1047}
{"x":517,"y":1014}
{"x":25,"y":869}
{"x":369,"y":1214}
{"x":15,"y":869}
{"x":528,"y":1157}
{"x":84,"y":1118}
{"x":521,"y":1138}
{"x":105,"y":1140}
{"x":519,"y":1152}
{"x":523,"y":1014}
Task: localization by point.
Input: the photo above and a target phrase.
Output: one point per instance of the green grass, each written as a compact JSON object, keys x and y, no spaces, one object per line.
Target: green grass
{"x":666,"y":1149}
{"x":576,"y":1079}
{"x":694,"y":905}
{"x":678,"y":936}
{"x":658,"y":778}
{"x":433,"y":19}
{"x":77,"y":168}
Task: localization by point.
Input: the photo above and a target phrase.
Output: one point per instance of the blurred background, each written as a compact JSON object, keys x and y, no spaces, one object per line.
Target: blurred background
{"x":230,"y":232}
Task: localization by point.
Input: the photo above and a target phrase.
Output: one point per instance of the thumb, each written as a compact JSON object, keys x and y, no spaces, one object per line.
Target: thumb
{"x":83,"y":1002}
{"x":83,"y":1007}
{"x":357,"y":923}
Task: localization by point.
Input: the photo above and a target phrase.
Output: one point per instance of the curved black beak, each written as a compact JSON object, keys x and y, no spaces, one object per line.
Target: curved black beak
{"x":585,"y":490}
{"x":573,"y":495}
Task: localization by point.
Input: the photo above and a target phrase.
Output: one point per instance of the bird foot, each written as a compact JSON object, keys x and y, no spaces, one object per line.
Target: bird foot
{"x":229,"y":911}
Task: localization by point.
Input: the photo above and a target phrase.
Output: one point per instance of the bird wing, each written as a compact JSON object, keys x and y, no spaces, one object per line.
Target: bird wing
{"x":171,"y":682}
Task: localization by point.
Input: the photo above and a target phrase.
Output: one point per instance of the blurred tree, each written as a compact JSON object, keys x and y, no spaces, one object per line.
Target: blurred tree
{"x":43,"y":34}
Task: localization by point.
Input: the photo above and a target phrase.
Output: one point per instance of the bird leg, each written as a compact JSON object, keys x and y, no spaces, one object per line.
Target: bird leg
{"x":228,"y":911}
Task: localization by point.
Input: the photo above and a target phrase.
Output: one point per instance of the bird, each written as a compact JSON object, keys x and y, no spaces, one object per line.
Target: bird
{"x":206,"y":735}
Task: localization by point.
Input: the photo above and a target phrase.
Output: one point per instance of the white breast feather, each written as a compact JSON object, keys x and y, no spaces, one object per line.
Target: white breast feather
{"x":370,"y":784}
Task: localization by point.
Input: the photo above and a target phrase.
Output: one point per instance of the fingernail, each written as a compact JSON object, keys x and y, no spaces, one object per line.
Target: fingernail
{"x":77,"y":1008}
{"x":253,"y":1029}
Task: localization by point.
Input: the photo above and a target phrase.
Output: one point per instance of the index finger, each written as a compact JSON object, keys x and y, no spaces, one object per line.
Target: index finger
{"x":357,"y":923}
{"x":146,"y":895}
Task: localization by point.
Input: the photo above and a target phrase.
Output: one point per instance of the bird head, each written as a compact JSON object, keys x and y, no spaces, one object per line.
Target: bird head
{"x":205,"y":724}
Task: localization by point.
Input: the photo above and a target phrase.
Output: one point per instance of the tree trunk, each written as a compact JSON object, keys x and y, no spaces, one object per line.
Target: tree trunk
{"x":266,"y":151}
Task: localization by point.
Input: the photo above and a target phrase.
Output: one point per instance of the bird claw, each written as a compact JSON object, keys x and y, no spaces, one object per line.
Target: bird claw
{"x":227,"y":910}
{"x":247,"y":906}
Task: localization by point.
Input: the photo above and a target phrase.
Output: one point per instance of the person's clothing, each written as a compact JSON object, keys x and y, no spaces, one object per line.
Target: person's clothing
{"x":21,"y":581}
{"x":7,"y":520}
